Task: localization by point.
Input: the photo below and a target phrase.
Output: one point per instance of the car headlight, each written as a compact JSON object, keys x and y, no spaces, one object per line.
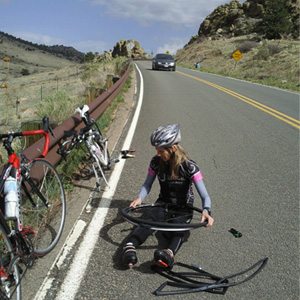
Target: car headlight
{"x":172,"y":64}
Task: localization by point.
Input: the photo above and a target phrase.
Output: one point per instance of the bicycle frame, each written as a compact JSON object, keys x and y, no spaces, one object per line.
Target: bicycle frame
{"x":17,"y":237}
{"x":13,"y":166}
{"x":87,"y":135}
{"x":89,"y":122}
{"x":88,"y":143}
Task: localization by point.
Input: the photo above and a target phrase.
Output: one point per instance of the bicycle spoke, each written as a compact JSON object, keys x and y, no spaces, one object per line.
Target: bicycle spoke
{"x":10,"y":287}
{"x":46,"y":217}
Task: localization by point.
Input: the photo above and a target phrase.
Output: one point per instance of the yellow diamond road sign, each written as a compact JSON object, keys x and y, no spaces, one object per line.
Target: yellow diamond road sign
{"x":237,"y":55}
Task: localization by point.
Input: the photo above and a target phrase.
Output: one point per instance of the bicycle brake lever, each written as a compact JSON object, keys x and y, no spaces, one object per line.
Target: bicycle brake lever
{"x":124,"y":152}
{"x":51,"y":131}
{"x":24,"y":159}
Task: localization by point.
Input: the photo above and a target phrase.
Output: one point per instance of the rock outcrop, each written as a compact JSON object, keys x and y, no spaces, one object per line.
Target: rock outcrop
{"x":129,"y":48}
{"x":236,"y":19}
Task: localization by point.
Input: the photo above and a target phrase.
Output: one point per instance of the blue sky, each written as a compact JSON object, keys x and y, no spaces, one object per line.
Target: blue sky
{"x":97,"y":25}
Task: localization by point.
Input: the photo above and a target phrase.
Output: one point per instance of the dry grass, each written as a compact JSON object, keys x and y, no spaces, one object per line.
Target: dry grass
{"x":269,"y":62}
{"x":51,"y":78}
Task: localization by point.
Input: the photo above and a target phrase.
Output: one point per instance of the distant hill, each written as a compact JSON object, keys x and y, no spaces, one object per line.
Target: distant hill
{"x":59,"y":50}
{"x":33,"y":58}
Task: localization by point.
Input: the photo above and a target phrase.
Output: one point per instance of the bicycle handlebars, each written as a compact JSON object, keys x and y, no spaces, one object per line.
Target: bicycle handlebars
{"x":44,"y":131}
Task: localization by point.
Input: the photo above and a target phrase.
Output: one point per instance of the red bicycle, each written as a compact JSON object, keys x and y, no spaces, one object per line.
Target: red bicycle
{"x":32,"y":212}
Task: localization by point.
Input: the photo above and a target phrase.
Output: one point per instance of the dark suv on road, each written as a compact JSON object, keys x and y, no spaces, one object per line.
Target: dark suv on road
{"x":164,"y":62}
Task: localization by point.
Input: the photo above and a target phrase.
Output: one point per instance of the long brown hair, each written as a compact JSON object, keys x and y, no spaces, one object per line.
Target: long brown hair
{"x":176,"y":159}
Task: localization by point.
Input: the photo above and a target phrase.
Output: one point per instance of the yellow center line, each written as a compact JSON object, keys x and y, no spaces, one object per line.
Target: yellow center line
{"x":269,"y":110}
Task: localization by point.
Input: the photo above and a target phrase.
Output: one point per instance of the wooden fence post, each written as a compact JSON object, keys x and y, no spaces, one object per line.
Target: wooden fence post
{"x":33,"y":125}
{"x":109,"y":81}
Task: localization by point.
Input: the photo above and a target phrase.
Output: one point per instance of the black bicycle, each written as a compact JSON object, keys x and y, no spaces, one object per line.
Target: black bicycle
{"x":32,"y":215}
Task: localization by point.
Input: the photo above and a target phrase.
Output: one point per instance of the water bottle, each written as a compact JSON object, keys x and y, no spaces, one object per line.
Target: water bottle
{"x":11,"y":198}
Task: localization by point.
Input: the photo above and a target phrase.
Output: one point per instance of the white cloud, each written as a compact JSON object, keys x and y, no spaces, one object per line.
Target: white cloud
{"x":172,"y":45}
{"x":94,"y":46}
{"x":189,"y":13}
{"x":38,"y":38}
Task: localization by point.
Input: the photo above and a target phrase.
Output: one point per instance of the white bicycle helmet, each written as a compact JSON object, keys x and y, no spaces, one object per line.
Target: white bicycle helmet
{"x":166,"y":136}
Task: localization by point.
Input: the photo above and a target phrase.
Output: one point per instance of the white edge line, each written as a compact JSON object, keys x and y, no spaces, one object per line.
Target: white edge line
{"x":80,"y":261}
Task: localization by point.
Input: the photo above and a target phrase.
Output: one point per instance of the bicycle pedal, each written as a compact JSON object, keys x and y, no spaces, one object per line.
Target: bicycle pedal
{"x":115,"y":160}
{"x":128,"y":156}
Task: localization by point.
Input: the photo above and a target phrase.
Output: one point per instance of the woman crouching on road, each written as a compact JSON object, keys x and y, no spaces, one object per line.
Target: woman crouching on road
{"x":176,"y":173}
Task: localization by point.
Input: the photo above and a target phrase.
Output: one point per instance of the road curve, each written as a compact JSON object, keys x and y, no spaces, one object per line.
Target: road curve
{"x":245,"y":138}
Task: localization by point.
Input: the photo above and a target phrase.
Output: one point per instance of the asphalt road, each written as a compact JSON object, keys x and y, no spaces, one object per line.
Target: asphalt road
{"x":245,"y":139}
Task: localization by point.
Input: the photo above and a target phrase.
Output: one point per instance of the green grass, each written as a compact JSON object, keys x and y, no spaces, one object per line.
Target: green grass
{"x":272,"y":63}
{"x":66,"y":169}
{"x":252,"y":75}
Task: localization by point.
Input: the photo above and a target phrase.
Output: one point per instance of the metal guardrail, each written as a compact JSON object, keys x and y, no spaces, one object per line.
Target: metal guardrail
{"x":97,"y":107}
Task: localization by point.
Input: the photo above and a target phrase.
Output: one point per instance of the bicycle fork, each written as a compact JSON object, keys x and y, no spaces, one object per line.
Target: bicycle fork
{"x":96,"y":173}
{"x":104,"y":157}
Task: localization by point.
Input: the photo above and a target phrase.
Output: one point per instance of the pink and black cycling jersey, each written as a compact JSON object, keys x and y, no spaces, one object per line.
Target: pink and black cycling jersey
{"x":178,"y":191}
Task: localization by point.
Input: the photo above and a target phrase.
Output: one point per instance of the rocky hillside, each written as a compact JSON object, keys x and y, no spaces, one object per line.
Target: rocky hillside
{"x":229,"y":28}
{"x":236,"y":19}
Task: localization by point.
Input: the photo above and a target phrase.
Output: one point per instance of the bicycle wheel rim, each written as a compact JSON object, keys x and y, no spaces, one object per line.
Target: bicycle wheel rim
{"x":7,"y":263}
{"x":156,"y":225}
{"x":44,"y":222}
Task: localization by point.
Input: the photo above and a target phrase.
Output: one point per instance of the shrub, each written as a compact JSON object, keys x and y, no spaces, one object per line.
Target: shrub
{"x":246,"y":46}
{"x":58,"y":107}
{"x":274,"y":49}
{"x":25,"y":72}
{"x":276,"y":21}
{"x":263,"y":54}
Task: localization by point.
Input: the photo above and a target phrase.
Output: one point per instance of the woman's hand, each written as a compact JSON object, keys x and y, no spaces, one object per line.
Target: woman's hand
{"x":205,"y":216}
{"x":136,"y":202}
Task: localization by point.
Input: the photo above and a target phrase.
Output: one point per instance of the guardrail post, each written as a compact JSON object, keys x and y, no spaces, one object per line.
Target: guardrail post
{"x":109,"y":81}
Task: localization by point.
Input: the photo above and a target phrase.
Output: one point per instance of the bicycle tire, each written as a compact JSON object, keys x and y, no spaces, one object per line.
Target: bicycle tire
{"x":10,"y":287}
{"x":135,"y":216}
{"x":46,"y":222}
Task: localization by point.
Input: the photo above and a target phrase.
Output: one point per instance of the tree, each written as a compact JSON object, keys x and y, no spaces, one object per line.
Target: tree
{"x":89,"y":56}
{"x":276,"y":21}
